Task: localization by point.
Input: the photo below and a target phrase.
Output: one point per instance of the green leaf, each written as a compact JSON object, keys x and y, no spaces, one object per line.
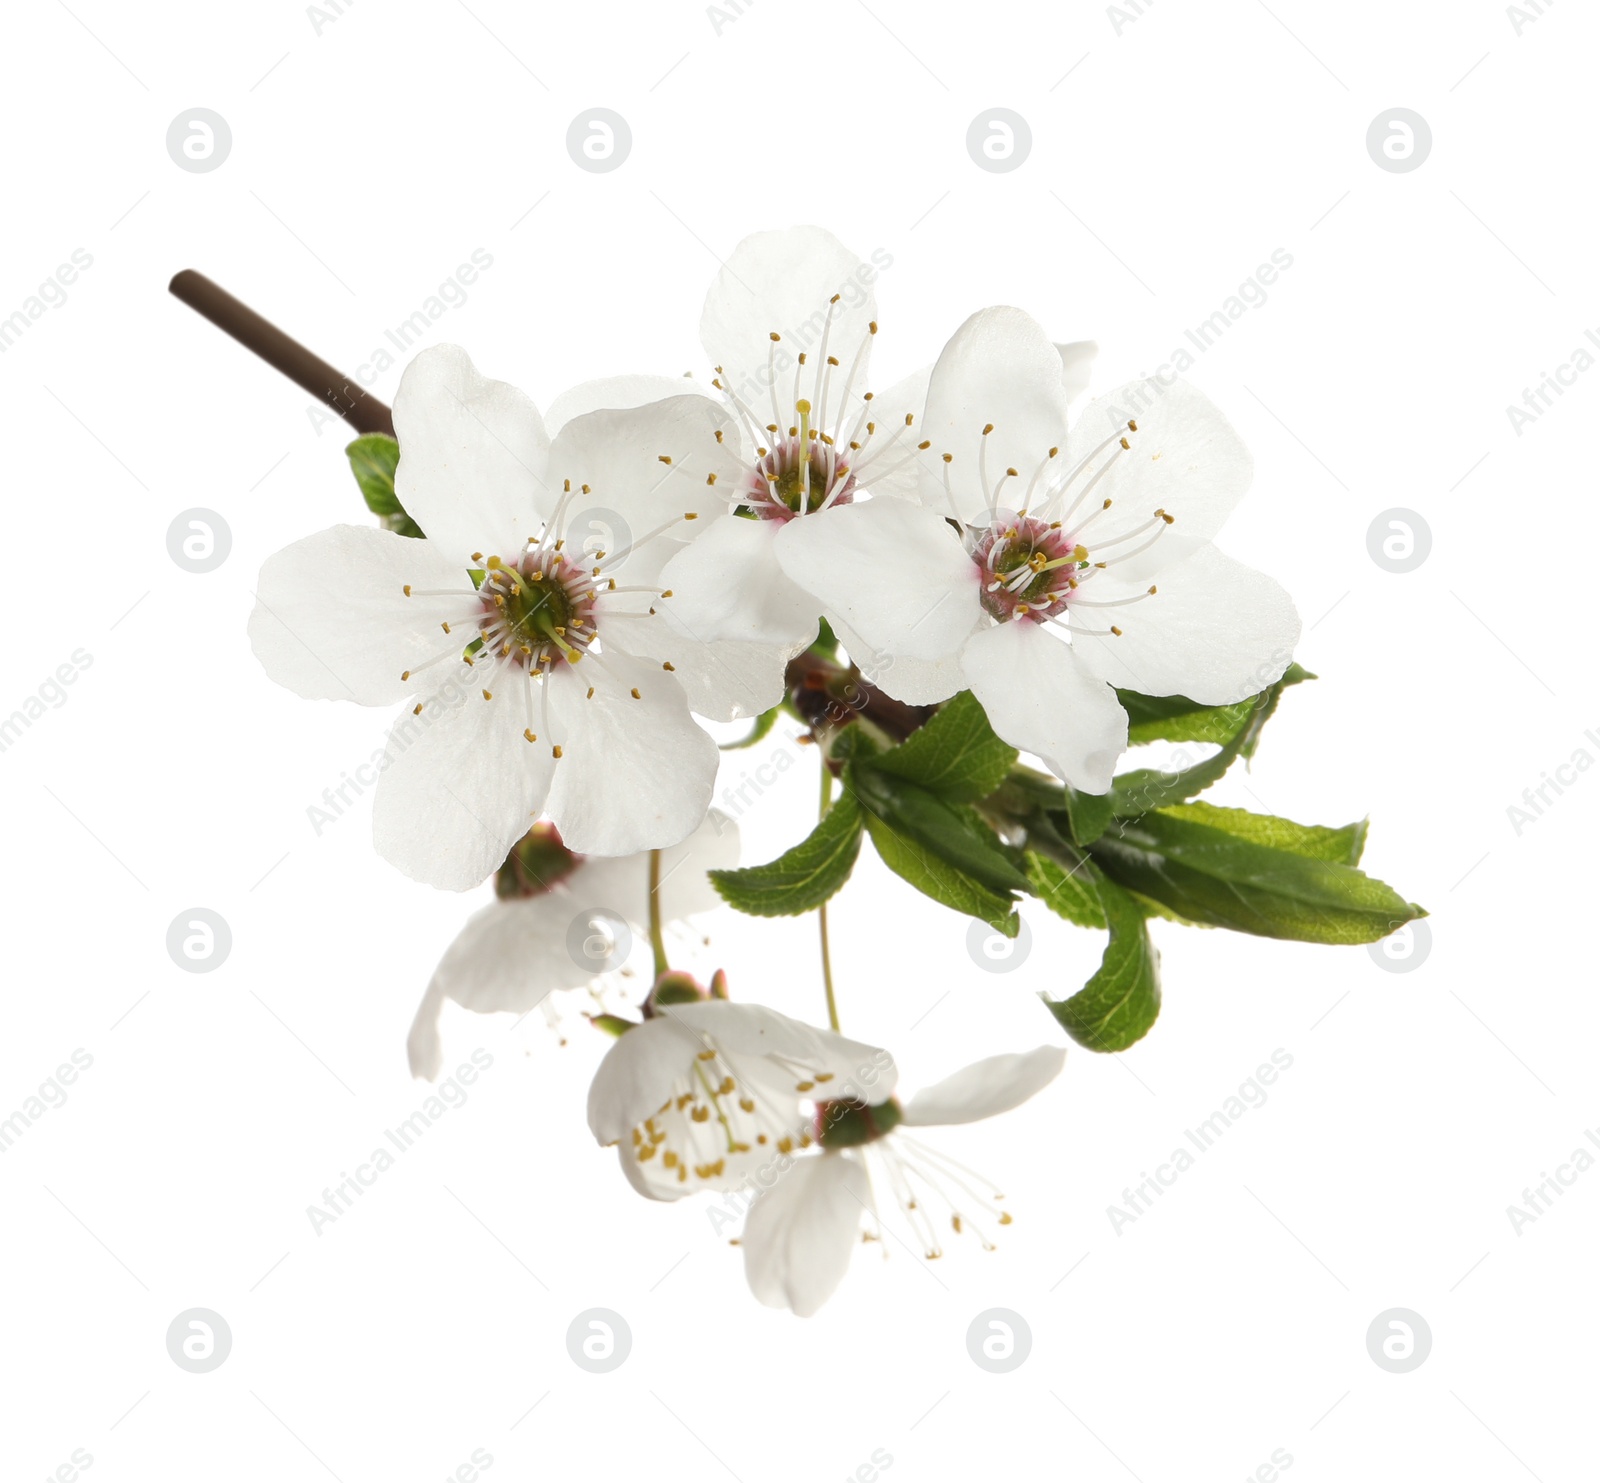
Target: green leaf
{"x":1148,"y":788}
{"x":1089,"y":815}
{"x":1211,"y":876}
{"x":758,"y":729}
{"x":1117,"y":1007}
{"x":1068,"y":893}
{"x":801,"y":879}
{"x":1177,"y":718}
{"x":1342,"y":846}
{"x":956,"y":754}
{"x":937,"y":878}
{"x":951,"y":832}
{"x":373,"y":460}
{"x":852,"y":744}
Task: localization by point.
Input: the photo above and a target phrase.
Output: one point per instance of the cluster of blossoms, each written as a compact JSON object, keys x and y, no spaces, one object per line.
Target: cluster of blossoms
{"x":594,"y":581}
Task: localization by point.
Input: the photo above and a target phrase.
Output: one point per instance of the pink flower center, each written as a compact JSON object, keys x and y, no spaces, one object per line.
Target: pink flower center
{"x":1028,"y":568}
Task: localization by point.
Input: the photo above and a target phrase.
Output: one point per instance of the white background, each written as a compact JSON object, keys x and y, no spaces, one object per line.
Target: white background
{"x":1223,"y":1325}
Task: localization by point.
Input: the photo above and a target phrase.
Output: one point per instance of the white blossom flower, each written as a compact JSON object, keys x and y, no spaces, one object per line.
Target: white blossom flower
{"x":801,"y":1231}
{"x":536,"y":682}
{"x":702,"y":1095}
{"x":560,"y":924}
{"x":1041,"y":565}
{"x":788,"y":325}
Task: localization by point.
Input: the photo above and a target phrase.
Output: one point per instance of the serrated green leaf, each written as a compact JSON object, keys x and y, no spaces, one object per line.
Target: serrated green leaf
{"x":851,"y":743}
{"x":1211,"y":876}
{"x":950,"y":831}
{"x":1119,"y":1004}
{"x":956,"y":754}
{"x":1148,"y":788}
{"x":758,"y":729}
{"x":1177,"y":718}
{"x":801,"y":879}
{"x":1089,"y":815}
{"x":1068,"y":893}
{"x":944,"y":882}
{"x":1342,"y":846}
{"x":373,"y":460}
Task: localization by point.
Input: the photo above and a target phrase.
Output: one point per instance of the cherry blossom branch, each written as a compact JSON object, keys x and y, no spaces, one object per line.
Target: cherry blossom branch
{"x":363,"y":411}
{"x":826,"y":694}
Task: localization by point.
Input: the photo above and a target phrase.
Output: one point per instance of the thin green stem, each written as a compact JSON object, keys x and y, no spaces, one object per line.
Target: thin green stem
{"x":658,"y":945}
{"x":822,"y":911}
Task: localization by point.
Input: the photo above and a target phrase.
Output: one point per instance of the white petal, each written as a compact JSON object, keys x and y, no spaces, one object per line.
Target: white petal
{"x":1042,"y":698}
{"x":781,"y":283}
{"x":800,"y":1234}
{"x":727,"y":586}
{"x":1186,"y":459}
{"x":332,"y":621}
{"x":472,"y":456}
{"x":849,"y":1067}
{"x":507,"y":958}
{"x":914,"y":681}
{"x":894,"y":572}
{"x":1077,"y":365}
{"x":644,"y":466}
{"x":424,"y":1048}
{"x":723,"y":681}
{"x":1215,"y":631}
{"x":986,"y":1088}
{"x":1001,"y":368}
{"x":638,"y":1072}
{"x":612,"y":393}
{"x":460,"y":788}
{"x":621,"y":883}
{"x":635,"y":774}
